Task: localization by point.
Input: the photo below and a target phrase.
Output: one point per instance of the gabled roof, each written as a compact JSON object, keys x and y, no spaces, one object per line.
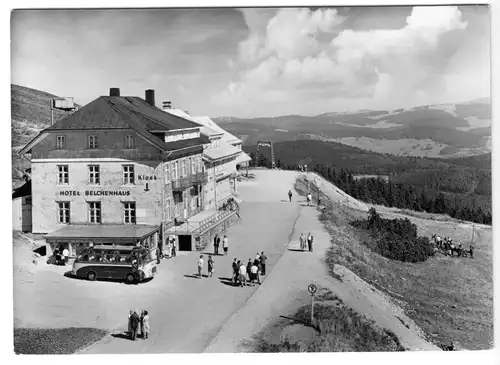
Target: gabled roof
{"x":204,"y":129}
{"x":207,"y":122}
{"x":115,"y":112}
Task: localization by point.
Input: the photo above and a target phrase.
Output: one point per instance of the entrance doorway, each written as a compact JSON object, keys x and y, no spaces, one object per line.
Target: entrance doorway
{"x":184,"y":243}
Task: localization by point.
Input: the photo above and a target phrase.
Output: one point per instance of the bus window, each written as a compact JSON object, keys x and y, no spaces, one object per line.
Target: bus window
{"x":92,"y":258}
{"x":110,"y":258}
{"x":83,"y":258}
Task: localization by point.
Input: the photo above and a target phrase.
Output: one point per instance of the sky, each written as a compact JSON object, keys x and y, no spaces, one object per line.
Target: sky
{"x":258,"y":61}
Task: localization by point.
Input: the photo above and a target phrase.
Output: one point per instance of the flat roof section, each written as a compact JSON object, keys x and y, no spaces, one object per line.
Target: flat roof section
{"x":102,"y":231}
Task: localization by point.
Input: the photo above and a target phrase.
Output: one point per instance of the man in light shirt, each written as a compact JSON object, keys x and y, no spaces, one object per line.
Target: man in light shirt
{"x":65,"y":255}
{"x":200,"y":266}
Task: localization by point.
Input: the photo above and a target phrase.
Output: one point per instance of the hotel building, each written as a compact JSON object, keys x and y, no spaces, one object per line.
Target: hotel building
{"x":117,"y":171}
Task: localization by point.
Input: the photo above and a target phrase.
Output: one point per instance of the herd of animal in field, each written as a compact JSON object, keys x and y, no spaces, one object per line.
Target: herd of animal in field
{"x":447,"y":246}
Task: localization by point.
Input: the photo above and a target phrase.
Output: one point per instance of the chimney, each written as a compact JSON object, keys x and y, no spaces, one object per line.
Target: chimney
{"x":150,"y":97}
{"x":167,"y":105}
{"x":114,"y":91}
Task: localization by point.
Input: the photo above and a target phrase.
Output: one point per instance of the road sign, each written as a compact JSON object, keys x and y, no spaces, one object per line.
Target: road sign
{"x":312,"y":288}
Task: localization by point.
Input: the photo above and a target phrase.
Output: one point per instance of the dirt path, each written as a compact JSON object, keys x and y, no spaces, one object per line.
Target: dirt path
{"x":285,"y":290}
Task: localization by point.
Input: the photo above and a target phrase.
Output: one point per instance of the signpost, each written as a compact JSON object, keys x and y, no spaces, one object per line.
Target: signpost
{"x":312,"y":290}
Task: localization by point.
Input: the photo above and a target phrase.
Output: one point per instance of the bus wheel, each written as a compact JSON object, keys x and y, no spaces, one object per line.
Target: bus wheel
{"x":91,"y":276}
{"x":130,"y":278}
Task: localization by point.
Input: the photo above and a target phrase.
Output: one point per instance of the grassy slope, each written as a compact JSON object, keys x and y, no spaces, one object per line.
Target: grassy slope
{"x":30,"y":114}
{"x":449,"y":298}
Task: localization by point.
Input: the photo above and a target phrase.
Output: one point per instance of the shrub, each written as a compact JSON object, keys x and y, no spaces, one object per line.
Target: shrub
{"x":396,"y":239}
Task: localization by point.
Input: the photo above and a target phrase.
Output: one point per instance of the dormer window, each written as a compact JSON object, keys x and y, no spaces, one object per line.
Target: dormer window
{"x":60,"y":142}
{"x":93,"y":143}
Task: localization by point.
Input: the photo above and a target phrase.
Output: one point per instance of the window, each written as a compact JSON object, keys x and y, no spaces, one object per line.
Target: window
{"x":129,"y":141}
{"x":129,"y":212}
{"x":94,"y":174}
{"x":60,"y":142}
{"x":93,"y":142}
{"x":193,"y":164}
{"x":167,"y":172}
{"x":175,"y":170}
{"x":63,"y":174}
{"x":128,"y":174}
{"x":168,"y":211}
{"x":200,"y":164}
{"x":94,"y":212}
{"x":63,"y":212}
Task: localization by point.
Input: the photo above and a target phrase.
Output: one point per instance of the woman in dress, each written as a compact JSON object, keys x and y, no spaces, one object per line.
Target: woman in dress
{"x":211,"y":265}
{"x":145,"y":324}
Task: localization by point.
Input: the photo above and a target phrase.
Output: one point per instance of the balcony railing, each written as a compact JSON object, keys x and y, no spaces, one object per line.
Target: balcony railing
{"x":184,"y":183}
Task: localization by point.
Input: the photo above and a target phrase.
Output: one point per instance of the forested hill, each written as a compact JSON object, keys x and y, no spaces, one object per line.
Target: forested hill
{"x":462,"y":183}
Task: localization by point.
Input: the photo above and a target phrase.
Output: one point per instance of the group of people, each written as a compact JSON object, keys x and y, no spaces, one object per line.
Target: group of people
{"x":217,"y":241}
{"x":251,"y":272}
{"x":308,"y":198}
{"x":170,"y":249}
{"x":210,"y":263}
{"x":61,"y":256}
{"x":306,"y":242}
{"x":446,"y":244}
{"x":136,"y":323}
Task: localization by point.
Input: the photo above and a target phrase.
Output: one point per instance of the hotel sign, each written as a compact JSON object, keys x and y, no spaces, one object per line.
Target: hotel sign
{"x":94,"y":193}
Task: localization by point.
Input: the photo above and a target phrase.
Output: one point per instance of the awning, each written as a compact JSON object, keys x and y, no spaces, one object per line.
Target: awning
{"x":100,"y":231}
{"x":242,"y":158}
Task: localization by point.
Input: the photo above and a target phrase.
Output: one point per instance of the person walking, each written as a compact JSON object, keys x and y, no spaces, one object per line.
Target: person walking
{"x":200,"y":266}
{"x":145,"y":324}
{"x":249,"y":269}
{"x":302,"y":241}
{"x":310,"y":239}
{"x":471,"y":251}
{"x":211,"y":265}
{"x":216,"y":244}
{"x":290,"y":195}
{"x":224,"y":245}
{"x":309,"y":198}
{"x":263,"y":259}
{"x":235,"y":270}
{"x":134,"y":319}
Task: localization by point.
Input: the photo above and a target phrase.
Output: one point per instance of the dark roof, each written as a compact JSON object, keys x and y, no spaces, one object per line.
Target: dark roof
{"x":116,"y":112}
{"x":24,"y":190}
{"x":102,"y":231}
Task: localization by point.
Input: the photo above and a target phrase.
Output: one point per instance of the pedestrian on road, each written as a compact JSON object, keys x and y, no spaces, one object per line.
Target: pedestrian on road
{"x":216,"y":244}
{"x":249,"y":269}
{"x":235,"y":271}
{"x":471,"y":250}
{"x":66,"y":255}
{"x":290,"y":195}
{"x":310,"y":239}
{"x":134,"y":319}
{"x":158,"y":255}
{"x":129,"y":329}
{"x":211,"y":265}
{"x":309,"y":198}
{"x":160,"y":249}
{"x":145,"y":324}
{"x":257,"y":260}
{"x":263,"y":259}
{"x":255,"y":274}
{"x":243,"y":274}
{"x":302,"y":241}
{"x":225,"y":245}
{"x":200,"y":266}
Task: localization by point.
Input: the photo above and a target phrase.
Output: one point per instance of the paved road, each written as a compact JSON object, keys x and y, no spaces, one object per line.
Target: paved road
{"x":188,"y":313}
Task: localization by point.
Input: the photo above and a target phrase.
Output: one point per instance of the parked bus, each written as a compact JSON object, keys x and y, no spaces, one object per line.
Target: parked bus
{"x":132,"y":264}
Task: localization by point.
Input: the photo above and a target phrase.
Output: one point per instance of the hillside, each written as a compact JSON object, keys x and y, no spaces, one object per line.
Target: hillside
{"x":464,"y":182}
{"x":445,"y":130}
{"x":30,"y":110}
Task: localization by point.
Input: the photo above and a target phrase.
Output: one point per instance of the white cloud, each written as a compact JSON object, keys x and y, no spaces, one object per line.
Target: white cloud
{"x":299,"y":54}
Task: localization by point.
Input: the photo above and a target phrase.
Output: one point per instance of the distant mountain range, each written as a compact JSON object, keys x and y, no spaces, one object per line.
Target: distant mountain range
{"x":445,"y":130}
